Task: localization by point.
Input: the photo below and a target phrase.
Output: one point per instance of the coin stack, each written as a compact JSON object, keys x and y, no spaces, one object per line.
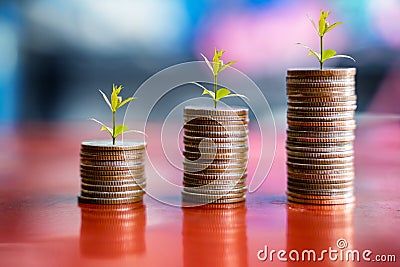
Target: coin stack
{"x":216,"y":146}
{"x":112,"y":174}
{"x":320,"y":135}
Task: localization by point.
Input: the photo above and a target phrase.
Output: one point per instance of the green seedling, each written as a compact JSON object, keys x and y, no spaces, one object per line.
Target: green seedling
{"x":216,"y":66}
{"x":115,"y":102}
{"x":322,"y":29}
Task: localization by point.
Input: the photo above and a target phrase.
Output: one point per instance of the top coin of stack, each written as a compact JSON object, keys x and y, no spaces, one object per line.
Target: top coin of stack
{"x":216,"y":146}
{"x":320,"y":135}
{"x":112,"y":174}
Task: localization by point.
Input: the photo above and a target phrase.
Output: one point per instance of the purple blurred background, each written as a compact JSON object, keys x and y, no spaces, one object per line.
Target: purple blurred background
{"x":55,"y":54}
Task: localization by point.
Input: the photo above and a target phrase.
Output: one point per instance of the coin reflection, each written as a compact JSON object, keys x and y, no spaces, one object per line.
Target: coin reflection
{"x":111,"y":231}
{"x":319,"y":228}
{"x":215,"y":235}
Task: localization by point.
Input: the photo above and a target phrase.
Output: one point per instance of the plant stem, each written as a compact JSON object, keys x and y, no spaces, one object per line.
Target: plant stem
{"x":113,"y":131}
{"x":321,"y":49}
{"x":215,"y":90}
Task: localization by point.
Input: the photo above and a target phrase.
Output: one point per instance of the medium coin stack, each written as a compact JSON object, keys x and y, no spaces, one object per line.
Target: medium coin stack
{"x":112,"y":174}
{"x":320,"y":135}
{"x":216,"y":146}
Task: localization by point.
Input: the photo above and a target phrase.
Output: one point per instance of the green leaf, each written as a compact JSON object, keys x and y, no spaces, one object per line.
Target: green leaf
{"x":344,"y":56}
{"x":227,"y":65}
{"x":311,"y":52}
{"x":333,"y":26}
{"x":114,"y":101}
{"x":208,"y":92}
{"x":218,"y":54}
{"x":221,"y":93}
{"x":316,"y":54}
{"x":120,"y":129}
{"x":106,"y":99}
{"x":217,"y":64}
{"x":117,"y":89}
{"x":129,"y":99}
{"x":321,"y":23}
{"x":325,"y":14}
{"x":207,"y":62}
{"x":103,"y":126}
{"x":205,"y":90}
{"x":327,"y":54}
{"x":216,"y":67}
{"x":313,"y":23}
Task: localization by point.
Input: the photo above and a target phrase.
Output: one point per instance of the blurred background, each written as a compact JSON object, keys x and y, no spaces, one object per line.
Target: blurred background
{"x":56,"y":54}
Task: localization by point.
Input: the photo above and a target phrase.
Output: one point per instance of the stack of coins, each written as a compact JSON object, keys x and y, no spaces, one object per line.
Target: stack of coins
{"x":216,"y":146}
{"x":320,"y":135}
{"x":112,"y":174}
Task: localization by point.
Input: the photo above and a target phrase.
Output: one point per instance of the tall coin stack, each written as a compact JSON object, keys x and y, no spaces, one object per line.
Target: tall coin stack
{"x":320,"y":135}
{"x":112,"y":174}
{"x":216,"y":146}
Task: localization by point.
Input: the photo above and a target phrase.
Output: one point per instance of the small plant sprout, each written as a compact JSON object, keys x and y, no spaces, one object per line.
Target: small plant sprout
{"x":322,"y":29}
{"x":216,"y":66}
{"x":115,"y":102}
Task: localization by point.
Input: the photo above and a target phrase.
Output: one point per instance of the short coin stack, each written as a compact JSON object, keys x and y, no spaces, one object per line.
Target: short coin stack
{"x":216,"y":146}
{"x":320,"y":135}
{"x":112,"y":174}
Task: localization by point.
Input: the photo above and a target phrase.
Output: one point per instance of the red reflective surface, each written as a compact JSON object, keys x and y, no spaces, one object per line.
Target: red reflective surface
{"x":41,"y":223}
